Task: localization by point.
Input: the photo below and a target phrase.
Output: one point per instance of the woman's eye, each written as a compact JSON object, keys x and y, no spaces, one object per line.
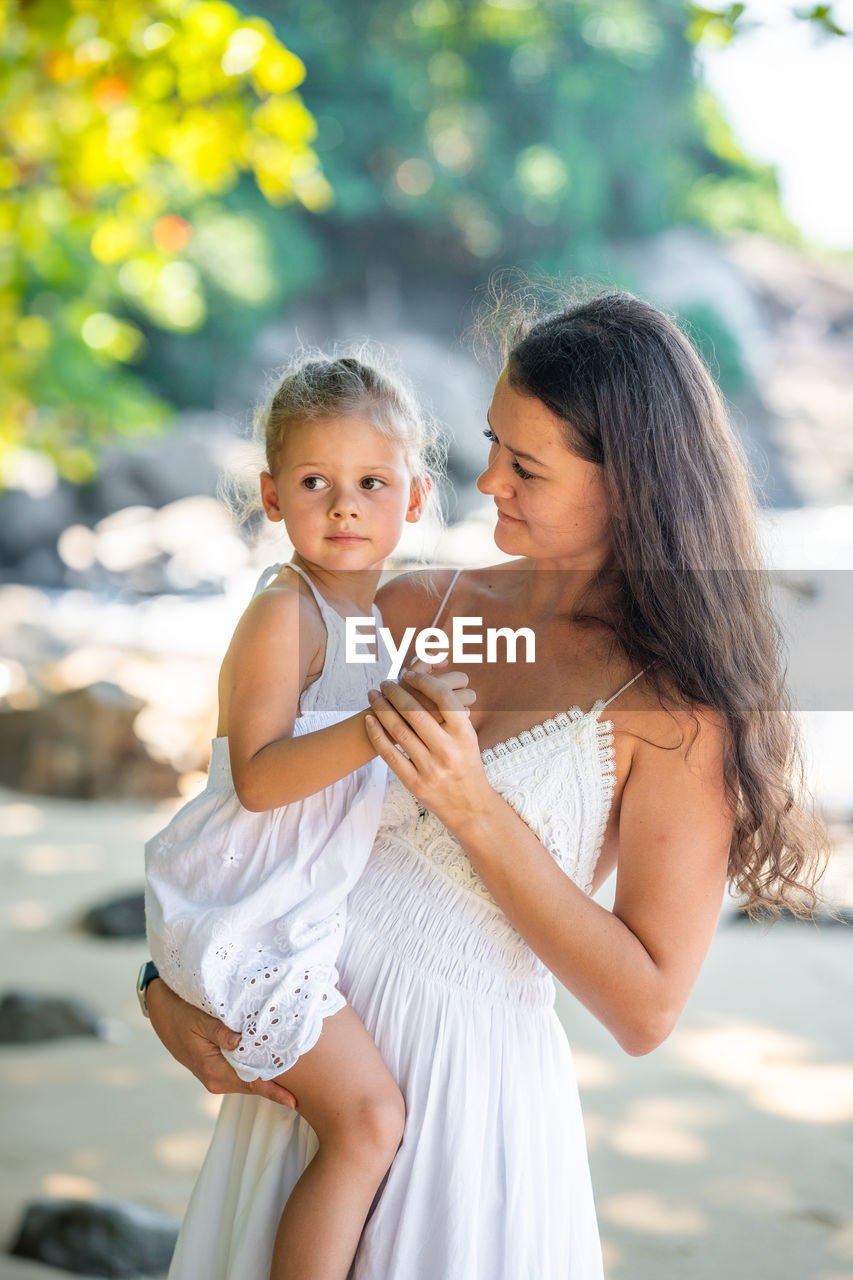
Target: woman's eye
{"x":372,"y":482}
{"x":516,"y":465}
{"x":314,"y":482}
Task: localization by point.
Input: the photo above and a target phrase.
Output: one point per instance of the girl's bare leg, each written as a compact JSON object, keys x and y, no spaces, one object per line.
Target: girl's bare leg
{"x":347,"y":1095}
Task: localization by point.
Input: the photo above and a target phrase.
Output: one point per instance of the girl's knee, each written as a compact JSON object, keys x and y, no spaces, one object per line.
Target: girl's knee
{"x":371,"y":1124}
{"x":381,"y":1115}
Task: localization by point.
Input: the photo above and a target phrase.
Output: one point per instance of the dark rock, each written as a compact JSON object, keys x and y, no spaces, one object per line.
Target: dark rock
{"x":27,"y":1018}
{"x":158,"y":470}
{"x":41,"y":567}
{"x":106,"y":1238}
{"x":118,"y":918}
{"x":28,"y":522}
{"x":81,"y":744}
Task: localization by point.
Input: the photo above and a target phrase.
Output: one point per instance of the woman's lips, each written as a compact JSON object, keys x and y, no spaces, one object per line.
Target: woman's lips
{"x":506,"y":519}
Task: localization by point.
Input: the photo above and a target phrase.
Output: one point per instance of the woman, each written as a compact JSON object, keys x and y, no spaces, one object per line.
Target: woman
{"x":620,"y":491}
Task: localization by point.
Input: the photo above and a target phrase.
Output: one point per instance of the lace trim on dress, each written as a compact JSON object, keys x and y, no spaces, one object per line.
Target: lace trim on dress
{"x":607,"y":769}
{"x":554,"y":724}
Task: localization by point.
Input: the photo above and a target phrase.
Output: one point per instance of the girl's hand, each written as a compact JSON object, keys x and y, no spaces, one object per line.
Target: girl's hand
{"x":442,"y":766}
{"x":456,"y":681}
{"x":196,"y":1041}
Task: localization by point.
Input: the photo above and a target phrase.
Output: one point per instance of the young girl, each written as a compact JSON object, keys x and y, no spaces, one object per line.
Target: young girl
{"x":247,"y":883}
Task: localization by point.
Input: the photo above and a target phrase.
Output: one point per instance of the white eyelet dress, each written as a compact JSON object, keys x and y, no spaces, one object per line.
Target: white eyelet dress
{"x":246,"y":910}
{"x":491,"y":1181}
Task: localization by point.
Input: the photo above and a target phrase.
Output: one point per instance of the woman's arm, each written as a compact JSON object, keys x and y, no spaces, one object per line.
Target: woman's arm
{"x":633,"y":967}
{"x":196,"y":1040}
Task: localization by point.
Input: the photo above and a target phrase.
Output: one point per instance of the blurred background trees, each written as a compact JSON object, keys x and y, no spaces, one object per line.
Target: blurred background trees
{"x":168,"y":192}
{"x":125,"y":129}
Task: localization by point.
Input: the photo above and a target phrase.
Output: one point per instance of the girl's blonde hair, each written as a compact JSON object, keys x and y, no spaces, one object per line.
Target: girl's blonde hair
{"x":318,"y":386}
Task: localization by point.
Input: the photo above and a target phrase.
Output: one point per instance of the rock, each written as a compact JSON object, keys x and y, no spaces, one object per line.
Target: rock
{"x":81,"y":744}
{"x":153,"y":471}
{"x":118,"y":917}
{"x":42,"y":567}
{"x":26,"y":1018}
{"x":30,"y":523}
{"x":97,"y":1238}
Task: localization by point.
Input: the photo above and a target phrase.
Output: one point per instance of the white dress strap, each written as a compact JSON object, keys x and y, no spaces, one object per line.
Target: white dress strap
{"x":326,"y":610}
{"x":266,"y":577}
{"x":615,"y":695}
{"x":445,"y":598}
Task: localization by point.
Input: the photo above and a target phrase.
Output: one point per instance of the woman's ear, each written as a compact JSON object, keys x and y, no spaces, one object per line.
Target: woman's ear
{"x":418,"y":495}
{"x":269,"y":497}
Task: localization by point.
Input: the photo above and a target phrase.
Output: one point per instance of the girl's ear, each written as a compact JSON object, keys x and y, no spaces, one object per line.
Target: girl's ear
{"x":269,"y":497}
{"x":418,"y":495}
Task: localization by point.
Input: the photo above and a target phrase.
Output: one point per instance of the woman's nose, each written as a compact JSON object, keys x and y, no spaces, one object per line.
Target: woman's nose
{"x":492,"y":481}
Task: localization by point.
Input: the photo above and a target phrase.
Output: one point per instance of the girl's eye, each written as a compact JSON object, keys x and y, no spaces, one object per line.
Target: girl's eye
{"x":372,"y":482}
{"x":313,"y":482}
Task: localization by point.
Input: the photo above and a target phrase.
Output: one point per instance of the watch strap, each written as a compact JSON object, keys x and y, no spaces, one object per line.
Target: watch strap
{"x":147,"y":973}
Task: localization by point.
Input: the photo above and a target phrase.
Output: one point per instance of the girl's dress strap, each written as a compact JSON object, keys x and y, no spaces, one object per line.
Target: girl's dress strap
{"x":266,"y":578}
{"x":322,"y":604}
{"x":268,"y":574}
{"x":615,"y":695}
{"x":445,"y":598}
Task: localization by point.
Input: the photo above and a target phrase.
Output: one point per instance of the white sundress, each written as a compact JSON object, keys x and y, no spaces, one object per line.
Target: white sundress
{"x":491,"y":1181}
{"x":246,"y":911}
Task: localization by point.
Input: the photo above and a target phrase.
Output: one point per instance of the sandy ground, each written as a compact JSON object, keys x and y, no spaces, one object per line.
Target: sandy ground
{"x":728,"y":1152}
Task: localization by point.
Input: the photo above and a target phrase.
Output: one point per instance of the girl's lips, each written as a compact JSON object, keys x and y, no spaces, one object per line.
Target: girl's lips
{"x":346,"y":539}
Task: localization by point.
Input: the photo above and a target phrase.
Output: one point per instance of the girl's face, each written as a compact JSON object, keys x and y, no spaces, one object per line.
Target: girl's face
{"x":551,"y":503}
{"x":343,"y":491}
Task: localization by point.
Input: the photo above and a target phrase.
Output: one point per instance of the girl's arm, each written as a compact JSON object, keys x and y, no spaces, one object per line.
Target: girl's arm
{"x":277,"y":645}
{"x":632,"y":967}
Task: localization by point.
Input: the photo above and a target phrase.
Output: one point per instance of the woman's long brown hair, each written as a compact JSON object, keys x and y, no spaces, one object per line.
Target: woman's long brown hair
{"x":691,"y":592}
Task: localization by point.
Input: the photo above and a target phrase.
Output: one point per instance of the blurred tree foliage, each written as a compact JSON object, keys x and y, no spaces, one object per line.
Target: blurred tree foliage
{"x":460,"y":136}
{"x":159,"y":167}
{"x":124,"y":125}
{"x":720,"y":26}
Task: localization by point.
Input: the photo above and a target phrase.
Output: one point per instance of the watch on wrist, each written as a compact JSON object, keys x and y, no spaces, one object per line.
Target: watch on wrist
{"x":147,"y":973}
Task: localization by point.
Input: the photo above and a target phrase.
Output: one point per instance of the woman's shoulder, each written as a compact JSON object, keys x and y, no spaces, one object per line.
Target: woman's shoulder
{"x":661,"y":719}
{"x":413,"y":598}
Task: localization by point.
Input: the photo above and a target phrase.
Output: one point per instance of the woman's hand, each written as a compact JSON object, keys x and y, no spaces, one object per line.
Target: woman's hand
{"x":196,"y":1040}
{"x":442,"y":766}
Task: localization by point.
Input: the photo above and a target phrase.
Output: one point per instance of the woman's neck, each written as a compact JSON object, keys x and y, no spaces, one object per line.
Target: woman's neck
{"x":546,"y":588}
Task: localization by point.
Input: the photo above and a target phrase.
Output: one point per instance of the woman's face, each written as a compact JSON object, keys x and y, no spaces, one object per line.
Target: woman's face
{"x":551,"y":503}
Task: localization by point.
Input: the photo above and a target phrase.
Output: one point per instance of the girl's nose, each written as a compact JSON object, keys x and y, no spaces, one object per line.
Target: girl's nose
{"x":344,"y":506}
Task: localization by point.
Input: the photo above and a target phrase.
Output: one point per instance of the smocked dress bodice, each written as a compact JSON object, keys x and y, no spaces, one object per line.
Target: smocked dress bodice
{"x":558,"y":776}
